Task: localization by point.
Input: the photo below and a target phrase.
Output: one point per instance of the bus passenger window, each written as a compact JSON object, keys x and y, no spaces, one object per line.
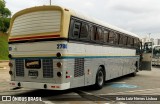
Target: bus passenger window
{"x":84,"y":31}
{"x":138,"y":47}
{"x":93,"y":33}
{"x":135,"y":42}
{"x":76,"y":30}
{"x":121,"y":37}
{"x":116,"y":38}
{"x":125,"y":40}
{"x":129,"y":41}
{"x":111,"y":37}
{"x":99,"y":35}
{"x":132,"y":42}
{"x":106,"y":33}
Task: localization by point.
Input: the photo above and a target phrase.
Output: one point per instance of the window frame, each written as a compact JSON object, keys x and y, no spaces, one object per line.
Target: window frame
{"x":111,"y":41}
{"x":72,"y":35}
{"x":88,"y":33}
{"x":106,"y":38}
{"x":105,"y":34}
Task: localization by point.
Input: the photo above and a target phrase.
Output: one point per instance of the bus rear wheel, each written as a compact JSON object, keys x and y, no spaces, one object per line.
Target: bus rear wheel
{"x":100,"y":79}
{"x":134,"y":73}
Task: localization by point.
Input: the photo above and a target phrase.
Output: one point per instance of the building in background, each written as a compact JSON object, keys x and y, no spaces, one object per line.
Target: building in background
{"x":149,"y":39}
{"x":156,"y":41}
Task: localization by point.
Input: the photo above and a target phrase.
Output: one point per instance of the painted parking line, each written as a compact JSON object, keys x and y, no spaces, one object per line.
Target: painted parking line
{"x":118,"y":82}
{"x":122,"y":85}
{"x":48,"y":102}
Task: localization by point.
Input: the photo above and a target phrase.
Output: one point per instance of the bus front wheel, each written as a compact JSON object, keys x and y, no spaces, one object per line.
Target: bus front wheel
{"x":100,"y":78}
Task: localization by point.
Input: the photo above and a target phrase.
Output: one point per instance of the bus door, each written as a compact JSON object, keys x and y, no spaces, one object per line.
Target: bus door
{"x":146,"y":58}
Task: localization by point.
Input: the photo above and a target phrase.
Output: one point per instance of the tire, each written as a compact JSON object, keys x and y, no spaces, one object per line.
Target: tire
{"x":100,"y":79}
{"x":134,"y":74}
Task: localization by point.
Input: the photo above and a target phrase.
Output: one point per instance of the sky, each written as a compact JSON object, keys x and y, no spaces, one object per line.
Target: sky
{"x":138,"y":16}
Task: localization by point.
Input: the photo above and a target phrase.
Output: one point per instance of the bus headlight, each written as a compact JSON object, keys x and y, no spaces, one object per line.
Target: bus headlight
{"x":59,"y":64}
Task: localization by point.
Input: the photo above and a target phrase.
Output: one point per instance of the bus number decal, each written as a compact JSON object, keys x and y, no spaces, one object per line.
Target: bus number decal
{"x":61,"y":46}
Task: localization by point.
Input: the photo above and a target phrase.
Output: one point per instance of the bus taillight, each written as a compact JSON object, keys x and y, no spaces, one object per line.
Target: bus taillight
{"x":59,"y":74}
{"x":12,"y":84}
{"x":59,"y":64}
{"x":68,"y":76}
{"x":10,"y":72}
{"x":10,"y":64}
{"x":10,"y":56}
{"x":58,"y":55}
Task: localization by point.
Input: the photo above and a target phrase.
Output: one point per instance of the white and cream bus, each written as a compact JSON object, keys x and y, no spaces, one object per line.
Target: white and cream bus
{"x":51,"y":47}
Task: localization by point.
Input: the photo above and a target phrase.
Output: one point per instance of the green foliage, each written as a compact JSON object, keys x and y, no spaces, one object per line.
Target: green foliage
{"x":4,"y":47}
{"x":4,"y":25}
{"x":5,"y":14}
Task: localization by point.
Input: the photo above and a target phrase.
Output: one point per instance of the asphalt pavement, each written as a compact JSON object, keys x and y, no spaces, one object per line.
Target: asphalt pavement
{"x":145,"y":83}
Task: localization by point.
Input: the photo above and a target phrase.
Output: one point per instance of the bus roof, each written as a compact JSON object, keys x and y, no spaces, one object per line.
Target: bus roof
{"x":76,"y":14}
{"x":99,"y":22}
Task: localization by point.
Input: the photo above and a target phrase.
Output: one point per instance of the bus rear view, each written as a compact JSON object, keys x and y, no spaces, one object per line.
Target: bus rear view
{"x":36,"y":42}
{"x":52,"y":47}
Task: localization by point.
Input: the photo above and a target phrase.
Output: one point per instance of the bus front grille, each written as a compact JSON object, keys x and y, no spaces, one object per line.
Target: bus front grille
{"x":79,"y":67}
{"x":19,"y":67}
{"x":47,"y":68}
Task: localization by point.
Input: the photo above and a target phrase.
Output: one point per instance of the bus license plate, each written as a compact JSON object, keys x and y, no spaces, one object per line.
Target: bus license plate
{"x":33,"y":73}
{"x":33,"y":64}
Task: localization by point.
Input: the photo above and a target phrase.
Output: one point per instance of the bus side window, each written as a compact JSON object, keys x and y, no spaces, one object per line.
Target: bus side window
{"x":106,"y":34}
{"x":129,"y":41}
{"x":125,"y":40}
{"x":138,"y":47}
{"x":121,"y":37}
{"x":111,"y":37}
{"x":136,"y":43}
{"x":84,"y":31}
{"x":99,"y":35}
{"x":76,"y":30}
{"x":116,"y":38}
{"x":93,"y":33}
{"x":132,"y":42}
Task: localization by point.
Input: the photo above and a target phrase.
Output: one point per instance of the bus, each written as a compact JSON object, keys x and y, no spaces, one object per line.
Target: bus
{"x":156,"y":55}
{"x":52,"y":47}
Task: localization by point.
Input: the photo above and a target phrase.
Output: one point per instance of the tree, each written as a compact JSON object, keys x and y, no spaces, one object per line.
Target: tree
{"x":5,"y":14}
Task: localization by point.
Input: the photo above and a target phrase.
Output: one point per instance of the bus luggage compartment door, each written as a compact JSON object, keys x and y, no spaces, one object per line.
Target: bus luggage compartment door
{"x":146,"y":60}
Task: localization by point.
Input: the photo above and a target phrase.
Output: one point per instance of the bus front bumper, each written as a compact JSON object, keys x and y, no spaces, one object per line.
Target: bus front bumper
{"x":36,"y":85}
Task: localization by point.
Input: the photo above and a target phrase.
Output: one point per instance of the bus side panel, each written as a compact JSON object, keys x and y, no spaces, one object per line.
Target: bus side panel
{"x":117,"y":62}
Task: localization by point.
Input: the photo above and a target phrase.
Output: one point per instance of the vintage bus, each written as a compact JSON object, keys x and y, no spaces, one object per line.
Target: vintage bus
{"x":52,"y":47}
{"x":156,"y":55}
